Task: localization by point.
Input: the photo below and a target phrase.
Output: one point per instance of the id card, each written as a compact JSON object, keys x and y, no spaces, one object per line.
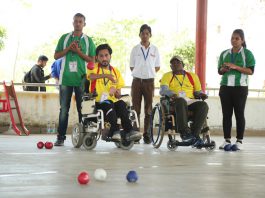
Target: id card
{"x":182,"y":94}
{"x":104,"y":96}
{"x":73,"y":66}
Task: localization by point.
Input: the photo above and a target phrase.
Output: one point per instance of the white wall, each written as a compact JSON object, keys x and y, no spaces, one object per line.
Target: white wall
{"x":38,"y":108}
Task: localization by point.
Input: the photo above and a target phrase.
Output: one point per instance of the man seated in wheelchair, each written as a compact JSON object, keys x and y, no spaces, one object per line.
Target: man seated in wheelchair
{"x":107,"y":81}
{"x":183,"y":88}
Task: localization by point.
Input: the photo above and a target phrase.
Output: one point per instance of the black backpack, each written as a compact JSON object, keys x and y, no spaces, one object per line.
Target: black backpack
{"x":27,"y":79}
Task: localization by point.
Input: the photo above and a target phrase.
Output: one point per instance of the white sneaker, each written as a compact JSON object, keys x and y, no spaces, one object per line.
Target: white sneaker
{"x":239,"y":145}
{"x":224,"y":144}
{"x":116,"y":136}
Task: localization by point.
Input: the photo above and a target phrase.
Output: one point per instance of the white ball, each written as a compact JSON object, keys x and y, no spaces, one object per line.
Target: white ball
{"x":100,"y":174}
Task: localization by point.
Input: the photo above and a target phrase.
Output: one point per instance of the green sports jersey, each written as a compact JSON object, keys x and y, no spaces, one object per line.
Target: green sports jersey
{"x":244,"y":58}
{"x":68,"y":77}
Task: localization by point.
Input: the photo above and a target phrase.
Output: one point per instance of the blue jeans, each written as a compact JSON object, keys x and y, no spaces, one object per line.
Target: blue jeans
{"x":65,"y":102}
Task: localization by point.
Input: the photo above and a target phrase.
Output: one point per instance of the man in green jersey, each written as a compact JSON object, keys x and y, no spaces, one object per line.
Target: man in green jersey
{"x":76,"y":49}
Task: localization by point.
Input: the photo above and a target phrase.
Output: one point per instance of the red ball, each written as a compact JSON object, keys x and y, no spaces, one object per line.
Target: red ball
{"x":90,"y":65}
{"x":83,"y":178}
{"x":40,"y":144}
{"x":48,"y":145}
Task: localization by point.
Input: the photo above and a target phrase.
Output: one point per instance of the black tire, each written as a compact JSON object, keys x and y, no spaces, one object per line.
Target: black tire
{"x":211,"y":148}
{"x":172,"y":145}
{"x":157,"y":125}
{"x":118,"y":144}
{"x":77,"y":135}
{"x":126,"y":145}
{"x":89,"y":142}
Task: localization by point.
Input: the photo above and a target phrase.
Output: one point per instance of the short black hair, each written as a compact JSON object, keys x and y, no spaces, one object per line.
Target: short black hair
{"x":145,"y":27}
{"x":43,"y":58}
{"x":80,"y":15}
{"x":102,"y":47}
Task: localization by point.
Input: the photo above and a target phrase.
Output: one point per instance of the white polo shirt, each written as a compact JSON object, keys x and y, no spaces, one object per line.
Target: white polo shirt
{"x":144,"y":60}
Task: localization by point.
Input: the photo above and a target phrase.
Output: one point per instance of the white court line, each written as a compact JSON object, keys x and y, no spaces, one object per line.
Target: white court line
{"x":22,"y":174}
{"x":256,"y":165}
{"x":214,"y":164}
{"x":30,"y":153}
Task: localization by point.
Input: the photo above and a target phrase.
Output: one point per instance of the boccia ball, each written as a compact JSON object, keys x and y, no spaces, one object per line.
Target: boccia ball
{"x":234,"y":147}
{"x":227,"y":147}
{"x":100,"y":174}
{"x":90,"y":65}
{"x":48,"y":145}
{"x":83,"y":178}
{"x":40,"y":144}
{"x":132,"y":176}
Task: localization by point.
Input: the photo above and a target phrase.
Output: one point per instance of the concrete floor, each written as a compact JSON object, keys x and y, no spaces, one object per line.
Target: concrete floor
{"x":26,"y":171}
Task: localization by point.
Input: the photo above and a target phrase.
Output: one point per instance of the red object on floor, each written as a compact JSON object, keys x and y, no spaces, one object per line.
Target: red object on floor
{"x":10,"y":104}
{"x":83,"y":178}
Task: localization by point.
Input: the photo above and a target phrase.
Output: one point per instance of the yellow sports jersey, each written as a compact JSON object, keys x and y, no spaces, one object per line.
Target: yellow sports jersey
{"x":182,"y":82}
{"x":103,"y":85}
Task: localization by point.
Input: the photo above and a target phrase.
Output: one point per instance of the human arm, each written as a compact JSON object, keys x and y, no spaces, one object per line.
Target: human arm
{"x":74,"y":47}
{"x":93,"y":76}
{"x":244,"y":70}
{"x":36,"y":74}
{"x":164,"y":91}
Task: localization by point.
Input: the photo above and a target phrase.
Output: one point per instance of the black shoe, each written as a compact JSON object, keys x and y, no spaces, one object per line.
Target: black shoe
{"x":133,"y":136}
{"x":59,"y":143}
{"x":137,"y":142}
{"x":198,"y":143}
{"x":147,"y":139}
{"x":187,"y":137}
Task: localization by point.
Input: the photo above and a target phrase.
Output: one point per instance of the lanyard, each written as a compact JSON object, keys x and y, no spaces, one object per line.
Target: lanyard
{"x":233,"y":58}
{"x":181,"y":83}
{"x":105,"y":82}
{"x":145,"y":56}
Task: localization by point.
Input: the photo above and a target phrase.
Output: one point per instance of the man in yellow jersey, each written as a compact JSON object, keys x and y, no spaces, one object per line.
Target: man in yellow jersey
{"x":183,"y":88}
{"x":107,"y":81}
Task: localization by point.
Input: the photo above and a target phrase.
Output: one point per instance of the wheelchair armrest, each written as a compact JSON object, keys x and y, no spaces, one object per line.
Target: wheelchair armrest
{"x":89,"y":96}
{"x":124,"y":95}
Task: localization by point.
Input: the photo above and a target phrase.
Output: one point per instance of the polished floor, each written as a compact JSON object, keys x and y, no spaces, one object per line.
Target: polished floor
{"x":26,"y":171}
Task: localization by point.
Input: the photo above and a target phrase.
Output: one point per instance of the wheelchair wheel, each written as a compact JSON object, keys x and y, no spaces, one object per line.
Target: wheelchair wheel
{"x":157,"y":126}
{"x":89,"y":142}
{"x":118,"y":144}
{"x":77,"y":135}
{"x":172,"y":145}
{"x":211,"y":148}
{"x":126,"y":145}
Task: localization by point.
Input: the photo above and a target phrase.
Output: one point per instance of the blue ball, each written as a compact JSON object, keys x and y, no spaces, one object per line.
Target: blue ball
{"x":228,"y":147}
{"x":132,"y":176}
{"x":234,"y":147}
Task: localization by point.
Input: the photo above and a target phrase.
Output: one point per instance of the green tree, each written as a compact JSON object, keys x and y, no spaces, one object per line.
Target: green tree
{"x":187,"y":52}
{"x":2,"y":37}
{"x":121,"y":35}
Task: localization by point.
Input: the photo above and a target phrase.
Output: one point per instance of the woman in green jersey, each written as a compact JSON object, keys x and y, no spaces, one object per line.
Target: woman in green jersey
{"x":235,"y":65}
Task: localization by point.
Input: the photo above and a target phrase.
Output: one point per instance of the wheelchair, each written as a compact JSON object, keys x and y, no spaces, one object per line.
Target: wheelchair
{"x":93,"y":125}
{"x":163,"y":122}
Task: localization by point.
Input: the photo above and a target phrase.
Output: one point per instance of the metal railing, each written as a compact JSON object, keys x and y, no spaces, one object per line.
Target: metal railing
{"x":259,"y":93}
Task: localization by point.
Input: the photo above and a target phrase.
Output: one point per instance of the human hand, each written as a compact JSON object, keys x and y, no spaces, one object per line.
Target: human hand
{"x":173,"y":97}
{"x":117,"y":93}
{"x":112,"y":91}
{"x":74,"y":47}
{"x":111,"y":78}
{"x":200,"y":95}
{"x":230,"y":66}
